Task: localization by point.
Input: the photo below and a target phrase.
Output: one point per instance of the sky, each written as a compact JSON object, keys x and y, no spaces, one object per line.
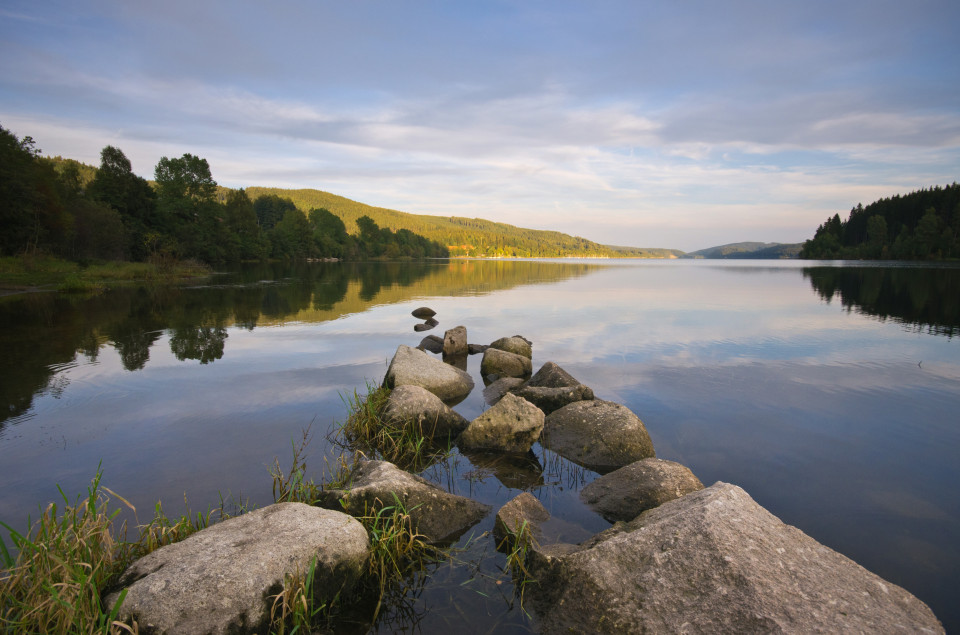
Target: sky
{"x":680,"y":124}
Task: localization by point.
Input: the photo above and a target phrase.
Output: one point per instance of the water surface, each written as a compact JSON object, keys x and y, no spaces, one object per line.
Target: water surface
{"x":828,"y":391}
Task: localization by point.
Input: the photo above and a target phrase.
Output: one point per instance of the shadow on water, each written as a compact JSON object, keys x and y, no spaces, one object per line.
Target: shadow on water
{"x":920,"y":299}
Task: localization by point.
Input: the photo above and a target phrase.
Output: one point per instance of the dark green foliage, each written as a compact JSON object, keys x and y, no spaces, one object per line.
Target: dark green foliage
{"x":922,"y":225}
{"x":131,"y":196}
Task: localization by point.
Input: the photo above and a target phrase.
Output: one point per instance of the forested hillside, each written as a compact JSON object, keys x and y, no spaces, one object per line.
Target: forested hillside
{"x":64,"y":208}
{"x":462,"y":236}
{"x":748,"y":250}
{"x":922,"y":225}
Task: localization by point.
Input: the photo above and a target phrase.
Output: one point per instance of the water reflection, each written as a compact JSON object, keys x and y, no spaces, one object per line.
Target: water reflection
{"x":922,"y":298}
{"x":39,"y":332}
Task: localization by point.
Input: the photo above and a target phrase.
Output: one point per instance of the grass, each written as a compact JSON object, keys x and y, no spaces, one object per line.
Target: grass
{"x":36,"y":270}
{"x":408,"y":444}
{"x":517,"y":545}
{"x":57,"y":572}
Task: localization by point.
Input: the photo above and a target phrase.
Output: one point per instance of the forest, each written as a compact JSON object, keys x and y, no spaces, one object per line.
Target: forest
{"x":65,"y":208}
{"x":85,"y":214}
{"x":921,"y":225}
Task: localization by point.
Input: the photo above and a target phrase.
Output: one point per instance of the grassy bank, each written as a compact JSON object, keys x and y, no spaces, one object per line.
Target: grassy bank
{"x":48,"y":273}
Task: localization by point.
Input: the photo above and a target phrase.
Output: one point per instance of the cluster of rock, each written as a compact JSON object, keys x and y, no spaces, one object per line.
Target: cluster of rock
{"x":679,"y":558}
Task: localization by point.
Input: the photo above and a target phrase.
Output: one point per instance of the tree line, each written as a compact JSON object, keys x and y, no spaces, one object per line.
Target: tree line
{"x":921,"y":225}
{"x":62,"y":207}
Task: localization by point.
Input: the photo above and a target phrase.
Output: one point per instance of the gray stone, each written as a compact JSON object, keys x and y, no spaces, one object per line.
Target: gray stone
{"x":623,"y":494}
{"x":517,"y":345}
{"x":521,"y":513}
{"x":423,"y":313}
{"x":552,"y":376}
{"x":512,"y":425}
{"x":412,"y":403}
{"x":473,"y":349}
{"x":599,"y":435}
{"x":504,"y":364}
{"x":550,"y":399}
{"x":436,"y":514}
{"x":426,"y":326}
{"x":495,"y":391}
{"x":411,"y":366}
{"x":715,"y":561}
{"x":431,"y":343}
{"x":455,"y":341}
{"x":220,"y":579}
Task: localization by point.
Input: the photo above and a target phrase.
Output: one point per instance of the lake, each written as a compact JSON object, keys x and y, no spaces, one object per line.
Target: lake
{"x":829,"y":391}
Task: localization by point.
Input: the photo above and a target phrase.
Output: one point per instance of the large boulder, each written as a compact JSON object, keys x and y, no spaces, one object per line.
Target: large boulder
{"x":512,"y":425}
{"x":551,"y":375}
{"x":625,"y":493}
{"x":436,"y":419}
{"x":455,"y":342}
{"x":715,"y":561}
{"x":599,"y":435}
{"x":435,"y":513}
{"x":504,"y":364}
{"x":517,"y":344}
{"x":221,"y":579}
{"x":551,"y":399}
{"x":414,"y":367}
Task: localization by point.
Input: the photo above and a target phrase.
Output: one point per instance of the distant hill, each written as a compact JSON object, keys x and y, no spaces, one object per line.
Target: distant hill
{"x":463,"y":236}
{"x":760,"y":251}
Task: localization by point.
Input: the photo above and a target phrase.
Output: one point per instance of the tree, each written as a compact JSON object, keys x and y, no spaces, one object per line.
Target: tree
{"x":116,"y":185}
{"x":189,"y":208}
{"x":241,"y":221}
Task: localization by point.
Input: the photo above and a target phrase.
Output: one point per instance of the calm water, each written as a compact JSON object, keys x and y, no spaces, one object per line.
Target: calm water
{"x":830,"y":393}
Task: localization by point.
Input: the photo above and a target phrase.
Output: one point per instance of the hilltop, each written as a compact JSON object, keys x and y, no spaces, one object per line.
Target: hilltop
{"x":462,"y":236}
{"x":752,"y":250}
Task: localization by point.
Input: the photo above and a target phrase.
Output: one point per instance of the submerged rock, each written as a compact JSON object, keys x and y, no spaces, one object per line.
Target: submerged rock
{"x":435,"y":513}
{"x":413,"y":403}
{"x":513,"y":425}
{"x":715,"y":561}
{"x":455,"y":341}
{"x":517,"y":345}
{"x":411,"y":366}
{"x":220,"y":579}
{"x":599,"y":435}
{"x":473,"y":349}
{"x":504,"y":364}
{"x":625,"y":493}
{"x":521,"y":513}
{"x":516,"y":471}
{"x":431,"y":343}
{"x":423,"y":313}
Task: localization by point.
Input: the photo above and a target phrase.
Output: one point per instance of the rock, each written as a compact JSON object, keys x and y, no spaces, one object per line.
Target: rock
{"x":504,"y":364}
{"x":431,"y":343}
{"x":599,"y":435}
{"x":220,"y":579}
{"x":435,"y":513}
{"x":411,"y":366}
{"x":715,"y":561}
{"x":423,"y":327}
{"x":455,"y":341}
{"x":623,"y":494}
{"x":517,"y":345}
{"x":513,"y":425}
{"x":495,"y":391}
{"x":550,"y":399}
{"x":552,"y":376}
{"x":473,"y":349}
{"x":423,"y":313}
{"x":413,"y":403}
{"x":522,"y":512}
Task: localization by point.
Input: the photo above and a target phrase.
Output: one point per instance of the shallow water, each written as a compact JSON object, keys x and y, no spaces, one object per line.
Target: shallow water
{"x":828,"y":391}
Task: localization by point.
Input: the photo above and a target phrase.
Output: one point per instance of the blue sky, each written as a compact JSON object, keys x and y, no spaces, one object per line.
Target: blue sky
{"x":679,"y":124}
